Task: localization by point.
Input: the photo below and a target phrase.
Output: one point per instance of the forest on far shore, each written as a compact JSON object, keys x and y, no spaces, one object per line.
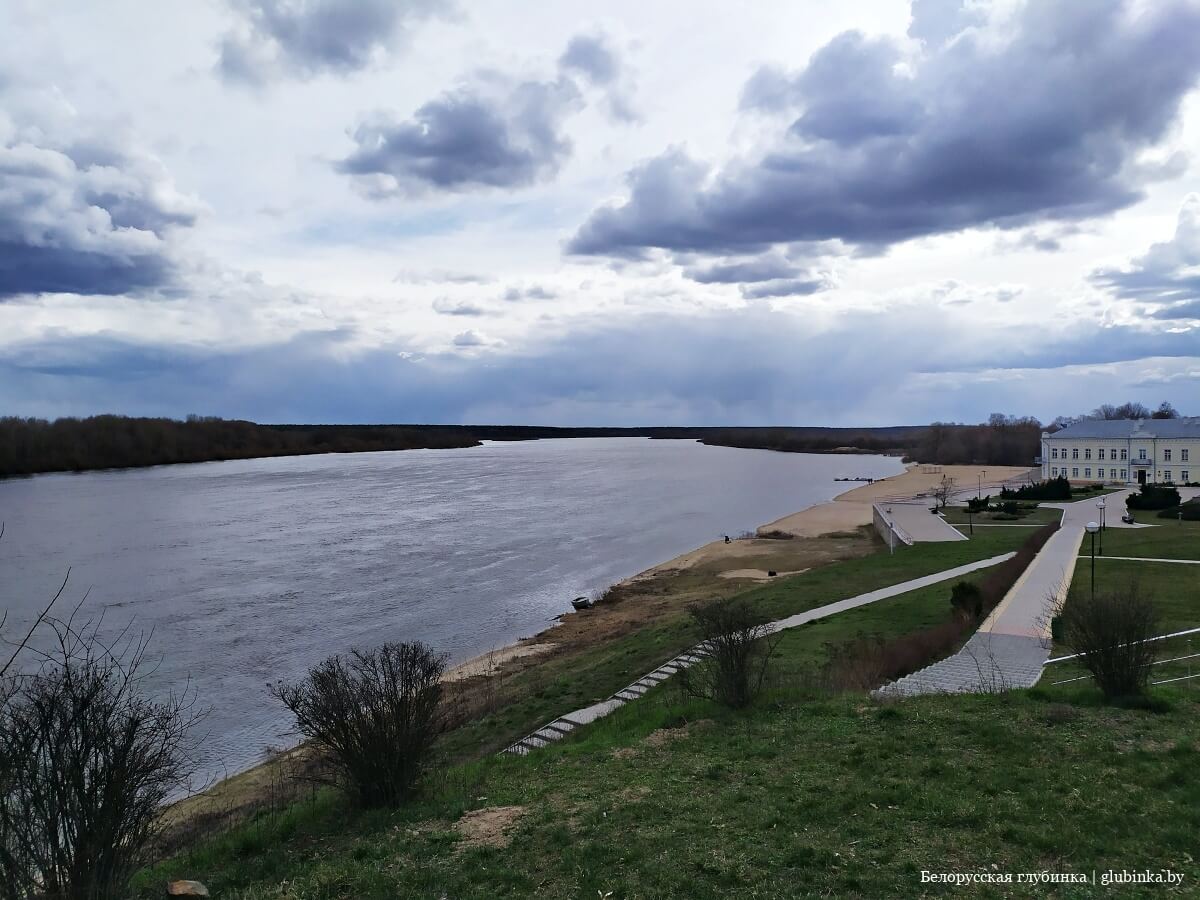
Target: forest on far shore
{"x":30,"y":446}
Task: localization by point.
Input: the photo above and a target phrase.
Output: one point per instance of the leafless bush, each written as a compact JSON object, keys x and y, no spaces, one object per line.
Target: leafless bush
{"x":86,"y":761}
{"x":739,"y":648}
{"x":866,"y":663}
{"x":1111,"y":632}
{"x":375,"y":714}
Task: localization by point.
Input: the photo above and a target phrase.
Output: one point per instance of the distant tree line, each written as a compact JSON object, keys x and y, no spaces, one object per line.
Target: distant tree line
{"x":28,"y":446}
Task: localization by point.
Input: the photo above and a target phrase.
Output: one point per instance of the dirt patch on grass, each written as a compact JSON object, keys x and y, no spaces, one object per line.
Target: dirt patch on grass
{"x":757,"y":574}
{"x":661,"y":737}
{"x":491,"y":826}
{"x":624,"y":752}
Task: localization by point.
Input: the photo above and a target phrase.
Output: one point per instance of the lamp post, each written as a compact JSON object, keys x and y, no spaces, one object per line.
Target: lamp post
{"x":1100,"y":506}
{"x":1092,"y":528}
{"x":979,"y":483}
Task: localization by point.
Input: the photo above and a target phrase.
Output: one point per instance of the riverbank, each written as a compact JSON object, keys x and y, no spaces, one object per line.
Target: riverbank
{"x":497,"y":694}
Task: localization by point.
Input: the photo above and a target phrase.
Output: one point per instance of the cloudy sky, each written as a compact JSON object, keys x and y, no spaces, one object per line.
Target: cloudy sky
{"x":579,"y":213}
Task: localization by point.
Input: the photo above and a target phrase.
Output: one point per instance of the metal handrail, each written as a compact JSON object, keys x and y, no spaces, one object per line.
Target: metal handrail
{"x":1161,"y":637}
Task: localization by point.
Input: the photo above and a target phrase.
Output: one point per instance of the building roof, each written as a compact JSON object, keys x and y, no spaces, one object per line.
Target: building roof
{"x":1120,"y":429}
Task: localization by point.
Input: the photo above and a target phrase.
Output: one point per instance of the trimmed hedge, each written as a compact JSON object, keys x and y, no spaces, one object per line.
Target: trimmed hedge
{"x":1190,"y":511}
{"x":1154,"y":496}
{"x":1052,"y":489}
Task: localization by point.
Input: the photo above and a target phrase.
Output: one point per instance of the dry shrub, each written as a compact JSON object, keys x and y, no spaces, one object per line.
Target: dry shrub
{"x":86,"y":762}
{"x":374,"y":715}
{"x":739,"y":651}
{"x":1111,"y":631}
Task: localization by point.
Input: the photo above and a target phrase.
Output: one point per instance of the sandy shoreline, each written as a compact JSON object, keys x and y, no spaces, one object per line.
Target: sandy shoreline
{"x":849,"y":510}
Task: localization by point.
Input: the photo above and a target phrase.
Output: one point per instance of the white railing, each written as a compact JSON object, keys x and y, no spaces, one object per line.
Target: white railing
{"x":1157,"y":662}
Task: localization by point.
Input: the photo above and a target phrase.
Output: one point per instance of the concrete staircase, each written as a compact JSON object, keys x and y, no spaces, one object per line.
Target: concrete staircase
{"x":564,"y":725}
{"x":987,"y":663}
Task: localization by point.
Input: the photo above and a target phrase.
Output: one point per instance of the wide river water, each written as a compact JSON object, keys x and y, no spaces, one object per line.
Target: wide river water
{"x":251,"y":571}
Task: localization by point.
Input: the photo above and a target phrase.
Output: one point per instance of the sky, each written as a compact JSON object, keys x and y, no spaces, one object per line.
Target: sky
{"x":763,"y":213}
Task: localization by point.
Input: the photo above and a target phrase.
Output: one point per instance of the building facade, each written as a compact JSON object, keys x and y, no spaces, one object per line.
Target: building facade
{"x":1124,"y":451}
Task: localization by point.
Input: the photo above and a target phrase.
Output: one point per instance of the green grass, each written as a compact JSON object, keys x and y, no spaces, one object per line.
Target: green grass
{"x":1166,"y":540}
{"x":957,"y":515}
{"x":834,"y":797}
{"x":1175,"y":590}
{"x":559,"y":686}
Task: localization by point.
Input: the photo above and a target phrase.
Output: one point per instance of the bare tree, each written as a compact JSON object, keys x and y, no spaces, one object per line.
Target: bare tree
{"x":944,"y":491}
{"x":86,"y":761}
{"x":375,"y":713}
{"x":739,"y":651}
{"x":1111,"y":632}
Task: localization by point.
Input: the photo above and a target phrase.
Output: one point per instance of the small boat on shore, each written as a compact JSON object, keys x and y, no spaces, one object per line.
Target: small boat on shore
{"x":582,"y":603}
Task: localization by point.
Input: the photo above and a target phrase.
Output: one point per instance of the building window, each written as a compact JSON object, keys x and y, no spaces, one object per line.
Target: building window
{"x":1100,"y":453}
{"x":1124,"y":474}
{"x":1054,"y":471}
{"x":1087,"y":454}
{"x":1124,"y":455}
{"x":1167,"y":475}
{"x":1087,"y":473}
{"x":1112,"y":473}
{"x":1054,"y":453}
{"x":1074,"y":453}
{"x":1185,"y":476}
{"x":1075,"y":472}
{"x":1166,"y":456}
{"x":1142,"y":453}
{"x":1183,"y":456}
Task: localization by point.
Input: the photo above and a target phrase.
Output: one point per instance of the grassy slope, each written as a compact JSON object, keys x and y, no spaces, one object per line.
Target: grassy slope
{"x":1174,"y":587}
{"x":559,"y":686}
{"x":798,"y":795}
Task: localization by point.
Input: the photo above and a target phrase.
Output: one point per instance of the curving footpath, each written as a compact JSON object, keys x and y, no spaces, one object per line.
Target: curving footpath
{"x":562,"y":726}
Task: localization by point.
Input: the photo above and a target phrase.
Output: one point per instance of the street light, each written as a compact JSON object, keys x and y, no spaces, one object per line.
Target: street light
{"x":979,"y":483}
{"x":1100,"y":506}
{"x":1092,"y":528}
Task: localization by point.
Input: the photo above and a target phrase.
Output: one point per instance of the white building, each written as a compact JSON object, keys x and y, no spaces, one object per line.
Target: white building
{"x":1126,"y":451}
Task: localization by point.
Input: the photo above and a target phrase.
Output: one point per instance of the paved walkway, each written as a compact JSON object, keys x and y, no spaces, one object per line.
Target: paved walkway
{"x":565,"y":724}
{"x":919,"y":523}
{"x":1013,"y":643}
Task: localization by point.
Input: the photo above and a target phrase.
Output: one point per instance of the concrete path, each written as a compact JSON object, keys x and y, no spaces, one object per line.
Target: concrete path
{"x":919,"y":523}
{"x":565,"y":724}
{"x":1013,"y":643}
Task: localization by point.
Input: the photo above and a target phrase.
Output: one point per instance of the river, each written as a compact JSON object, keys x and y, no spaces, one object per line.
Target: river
{"x":247,"y":572}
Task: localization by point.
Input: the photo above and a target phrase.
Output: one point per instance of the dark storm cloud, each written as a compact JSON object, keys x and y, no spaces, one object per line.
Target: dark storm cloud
{"x":303,"y":38}
{"x":1045,"y":126}
{"x":1167,"y":273}
{"x":84,"y":215}
{"x":492,"y":133}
